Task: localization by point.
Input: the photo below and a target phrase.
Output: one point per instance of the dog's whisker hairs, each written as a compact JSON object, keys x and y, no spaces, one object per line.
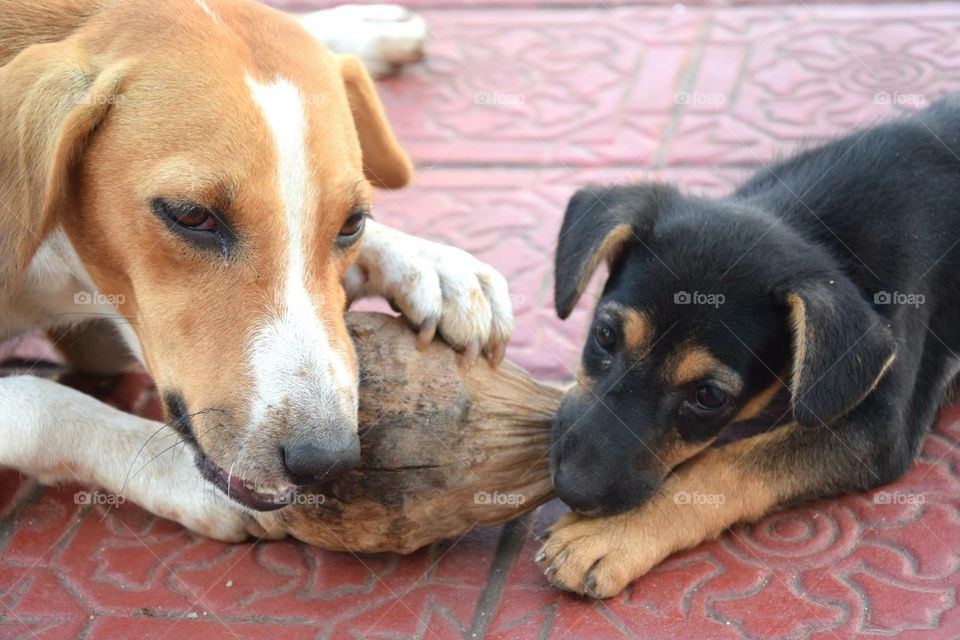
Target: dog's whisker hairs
{"x":168,"y":426}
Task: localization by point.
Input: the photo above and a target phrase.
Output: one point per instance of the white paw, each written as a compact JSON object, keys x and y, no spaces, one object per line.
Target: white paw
{"x":439,"y":288}
{"x":384,"y":36}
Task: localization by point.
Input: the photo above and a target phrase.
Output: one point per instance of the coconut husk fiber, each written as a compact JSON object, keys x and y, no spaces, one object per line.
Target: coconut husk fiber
{"x":445,"y":448}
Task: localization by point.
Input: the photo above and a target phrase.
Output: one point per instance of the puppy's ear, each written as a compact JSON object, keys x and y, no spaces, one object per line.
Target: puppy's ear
{"x":53,"y":99}
{"x":599,"y":223}
{"x":841,"y":348}
{"x":385,"y":163}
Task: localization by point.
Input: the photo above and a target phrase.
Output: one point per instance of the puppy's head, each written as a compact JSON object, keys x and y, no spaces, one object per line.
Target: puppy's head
{"x":207,"y":167}
{"x":710,"y":308}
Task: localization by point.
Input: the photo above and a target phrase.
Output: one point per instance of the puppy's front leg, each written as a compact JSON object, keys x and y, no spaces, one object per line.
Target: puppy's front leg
{"x":437,"y":287}
{"x":57,"y":434}
{"x":716,"y":489}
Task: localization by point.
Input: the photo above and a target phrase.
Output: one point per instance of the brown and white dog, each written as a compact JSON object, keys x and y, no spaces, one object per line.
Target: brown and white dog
{"x":198,"y":173}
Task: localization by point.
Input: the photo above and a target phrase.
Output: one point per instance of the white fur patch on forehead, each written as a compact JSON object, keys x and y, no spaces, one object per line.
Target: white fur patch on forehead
{"x":207,"y":10}
{"x":283,"y":108}
{"x":294,"y":363}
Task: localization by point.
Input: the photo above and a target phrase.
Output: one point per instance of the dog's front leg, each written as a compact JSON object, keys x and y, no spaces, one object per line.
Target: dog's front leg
{"x":57,"y":434}
{"x":385,"y":36}
{"x":437,"y":287}
{"x":716,"y":489}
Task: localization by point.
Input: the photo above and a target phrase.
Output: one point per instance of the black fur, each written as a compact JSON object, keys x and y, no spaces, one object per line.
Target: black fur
{"x":864,"y":231}
{"x":180,"y":419}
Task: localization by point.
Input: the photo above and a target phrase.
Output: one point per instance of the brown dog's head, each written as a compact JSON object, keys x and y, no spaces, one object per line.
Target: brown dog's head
{"x":709,"y":305}
{"x":204,"y":170}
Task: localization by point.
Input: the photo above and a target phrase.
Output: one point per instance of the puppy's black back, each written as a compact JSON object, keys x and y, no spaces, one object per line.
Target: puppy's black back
{"x":886,"y":202}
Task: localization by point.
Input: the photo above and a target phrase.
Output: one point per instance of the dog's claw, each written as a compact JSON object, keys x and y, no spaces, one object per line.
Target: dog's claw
{"x":471,"y":353}
{"x":540,"y":557}
{"x":551,"y":569}
{"x":496,"y":354}
{"x":428,"y":330}
{"x":590,"y":585}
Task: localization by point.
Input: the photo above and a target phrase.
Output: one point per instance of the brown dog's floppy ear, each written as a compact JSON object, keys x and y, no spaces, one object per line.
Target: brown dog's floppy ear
{"x":599,"y":222}
{"x":51,"y":103}
{"x":385,"y":163}
{"x":842,"y":348}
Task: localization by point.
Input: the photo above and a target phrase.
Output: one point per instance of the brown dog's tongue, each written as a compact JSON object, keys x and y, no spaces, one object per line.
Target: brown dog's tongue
{"x":445,"y":448}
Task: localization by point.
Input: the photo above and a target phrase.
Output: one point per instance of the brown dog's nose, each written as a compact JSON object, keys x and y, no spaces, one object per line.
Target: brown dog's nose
{"x":310,"y":463}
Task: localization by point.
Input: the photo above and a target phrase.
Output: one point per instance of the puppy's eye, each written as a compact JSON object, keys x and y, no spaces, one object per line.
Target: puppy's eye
{"x":710,"y":398}
{"x":351,"y":229}
{"x":605,"y":335}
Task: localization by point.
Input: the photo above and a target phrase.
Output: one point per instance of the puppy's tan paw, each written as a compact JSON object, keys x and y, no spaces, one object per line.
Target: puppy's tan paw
{"x":595,"y":557}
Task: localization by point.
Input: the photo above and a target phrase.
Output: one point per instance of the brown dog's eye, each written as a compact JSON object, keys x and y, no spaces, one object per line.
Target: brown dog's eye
{"x":186,"y":215}
{"x":195,"y":218}
{"x":710,"y":398}
{"x":200,"y":226}
{"x":351,"y":228}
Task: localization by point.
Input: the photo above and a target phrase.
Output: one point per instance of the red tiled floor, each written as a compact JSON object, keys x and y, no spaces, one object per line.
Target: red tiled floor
{"x":830,"y":569}
{"x":518,"y":103}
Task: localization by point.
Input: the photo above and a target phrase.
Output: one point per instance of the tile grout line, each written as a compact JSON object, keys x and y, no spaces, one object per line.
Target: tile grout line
{"x":689,"y":75}
{"x":508,"y":549}
{"x":25,"y":498}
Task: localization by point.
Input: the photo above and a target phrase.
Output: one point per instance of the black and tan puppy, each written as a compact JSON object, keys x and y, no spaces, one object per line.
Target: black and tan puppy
{"x":833,"y":275}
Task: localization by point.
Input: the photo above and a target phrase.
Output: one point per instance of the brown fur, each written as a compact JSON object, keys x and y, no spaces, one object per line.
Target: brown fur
{"x":712,"y":491}
{"x":694,"y":362}
{"x":609,"y":249}
{"x":758,"y":403}
{"x":146,"y":100}
{"x":798,"y":323}
{"x":637,"y":330}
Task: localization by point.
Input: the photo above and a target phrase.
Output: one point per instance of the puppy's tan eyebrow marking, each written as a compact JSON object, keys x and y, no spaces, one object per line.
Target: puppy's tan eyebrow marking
{"x":637,"y":329}
{"x":692,"y":364}
{"x":696,"y":362}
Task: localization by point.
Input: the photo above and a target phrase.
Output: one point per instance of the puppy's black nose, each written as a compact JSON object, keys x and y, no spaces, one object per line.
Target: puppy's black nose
{"x":579,"y":495}
{"x":309,"y":463}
